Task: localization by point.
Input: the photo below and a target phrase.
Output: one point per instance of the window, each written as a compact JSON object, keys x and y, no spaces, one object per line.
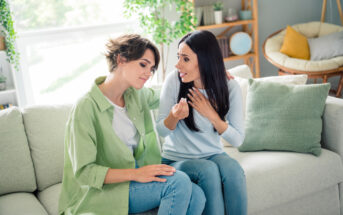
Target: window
{"x":62,"y":42}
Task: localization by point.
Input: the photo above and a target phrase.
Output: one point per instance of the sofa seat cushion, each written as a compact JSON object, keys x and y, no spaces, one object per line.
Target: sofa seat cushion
{"x":45,"y":127}
{"x":16,"y":167}
{"x":50,"y":197}
{"x":21,"y":203}
{"x":275,"y":178}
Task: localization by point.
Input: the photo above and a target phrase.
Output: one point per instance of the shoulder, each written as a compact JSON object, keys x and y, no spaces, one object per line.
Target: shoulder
{"x":172,"y":77}
{"x":233,"y":86}
{"x":84,"y":107}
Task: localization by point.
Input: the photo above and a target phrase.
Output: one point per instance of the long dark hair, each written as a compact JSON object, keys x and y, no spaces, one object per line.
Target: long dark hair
{"x":212,"y":73}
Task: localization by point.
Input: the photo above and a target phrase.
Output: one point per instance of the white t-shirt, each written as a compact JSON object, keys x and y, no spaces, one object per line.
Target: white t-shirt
{"x":123,"y":127}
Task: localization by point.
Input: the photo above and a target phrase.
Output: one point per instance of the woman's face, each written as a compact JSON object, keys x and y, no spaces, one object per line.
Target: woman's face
{"x":187,"y":64}
{"x":137,"y":72}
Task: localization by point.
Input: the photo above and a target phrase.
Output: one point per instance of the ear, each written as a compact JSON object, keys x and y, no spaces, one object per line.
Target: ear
{"x":120,"y":59}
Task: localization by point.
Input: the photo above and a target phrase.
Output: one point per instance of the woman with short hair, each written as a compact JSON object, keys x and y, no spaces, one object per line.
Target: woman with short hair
{"x":112,"y":158}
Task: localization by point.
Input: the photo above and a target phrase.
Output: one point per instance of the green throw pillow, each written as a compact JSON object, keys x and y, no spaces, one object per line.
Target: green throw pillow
{"x":284,"y":117}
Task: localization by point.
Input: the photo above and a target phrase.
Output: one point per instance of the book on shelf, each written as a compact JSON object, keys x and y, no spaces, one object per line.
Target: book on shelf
{"x":204,"y":15}
{"x":224,"y":46}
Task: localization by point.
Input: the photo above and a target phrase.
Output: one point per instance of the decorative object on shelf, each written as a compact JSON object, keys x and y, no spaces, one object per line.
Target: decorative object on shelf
{"x":231,"y":15}
{"x":240,"y":43}
{"x":245,"y":14}
{"x":155,"y":23}
{"x":2,"y":80}
{"x":7,"y":29}
{"x":218,"y":12}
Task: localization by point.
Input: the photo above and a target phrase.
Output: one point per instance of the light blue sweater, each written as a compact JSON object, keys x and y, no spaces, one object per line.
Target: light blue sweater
{"x":182,"y":143}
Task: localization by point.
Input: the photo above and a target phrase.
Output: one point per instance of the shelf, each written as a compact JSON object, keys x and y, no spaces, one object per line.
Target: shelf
{"x":226,"y":24}
{"x":237,"y":57}
{"x":8,"y":91}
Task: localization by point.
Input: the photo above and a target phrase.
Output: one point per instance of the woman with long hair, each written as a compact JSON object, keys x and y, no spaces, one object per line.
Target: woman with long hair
{"x":192,"y":129}
{"x":112,"y":160}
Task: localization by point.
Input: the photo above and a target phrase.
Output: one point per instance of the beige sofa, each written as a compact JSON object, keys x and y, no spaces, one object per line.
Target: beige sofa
{"x":31,"y":167}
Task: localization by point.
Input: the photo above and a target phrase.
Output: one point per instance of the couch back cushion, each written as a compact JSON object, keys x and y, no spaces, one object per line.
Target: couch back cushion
{"x":16,"y":167}
{"x":45,"y":127}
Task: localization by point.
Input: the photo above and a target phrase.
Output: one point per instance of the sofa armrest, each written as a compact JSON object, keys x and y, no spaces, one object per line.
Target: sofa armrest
{"x":332,"y":136}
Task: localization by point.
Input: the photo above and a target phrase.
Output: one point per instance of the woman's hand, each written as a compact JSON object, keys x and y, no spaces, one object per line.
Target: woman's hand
{"x":149,"y":173}
{"x":229,"y":76}
{"x":200,"y":103}
{"x":180,"y":110}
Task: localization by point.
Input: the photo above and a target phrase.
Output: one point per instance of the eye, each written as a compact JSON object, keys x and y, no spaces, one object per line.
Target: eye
{"x":186,"y":59}
{"x":142,"y":65}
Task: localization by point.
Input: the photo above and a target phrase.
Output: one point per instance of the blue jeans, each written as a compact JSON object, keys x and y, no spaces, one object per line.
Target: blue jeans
{"x":177,"y":196}
{"x":221,"y":178}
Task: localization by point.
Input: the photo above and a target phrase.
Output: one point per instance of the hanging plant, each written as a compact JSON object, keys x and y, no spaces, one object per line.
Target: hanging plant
{"x":154,"y":22}
{"x":7,"y":30}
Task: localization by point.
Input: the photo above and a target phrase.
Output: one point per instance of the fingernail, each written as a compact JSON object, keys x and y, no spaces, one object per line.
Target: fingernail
{"x":189,"y":89}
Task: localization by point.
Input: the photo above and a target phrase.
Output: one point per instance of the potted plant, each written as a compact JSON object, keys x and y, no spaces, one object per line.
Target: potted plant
{"x":218,"y":12}
{"x":7,"y":30}
{"x":153,"y":20}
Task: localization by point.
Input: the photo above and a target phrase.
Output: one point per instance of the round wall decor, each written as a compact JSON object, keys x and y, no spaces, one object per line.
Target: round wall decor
{"x":240,"y":43}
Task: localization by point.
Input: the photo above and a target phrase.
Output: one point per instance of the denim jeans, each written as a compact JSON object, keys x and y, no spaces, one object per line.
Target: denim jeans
{"x":177,"y":196}
{"x":221,"y":178}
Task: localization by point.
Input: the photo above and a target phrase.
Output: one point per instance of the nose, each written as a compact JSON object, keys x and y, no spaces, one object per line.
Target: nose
{"x":177,"y":65}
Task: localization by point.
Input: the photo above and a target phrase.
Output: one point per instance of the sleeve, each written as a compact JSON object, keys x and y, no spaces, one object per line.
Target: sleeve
{"x":168,"y":99}
{"x":82,"y":151}
{"x":152,"y":97}
{"x":234,"y":133}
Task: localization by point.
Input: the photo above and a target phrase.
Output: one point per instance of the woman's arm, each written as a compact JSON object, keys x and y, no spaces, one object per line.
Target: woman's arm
{"x":168,"y":98}
{"x":177,"y":113}
{"x":144,"y":174}
{"x":234,"y":134}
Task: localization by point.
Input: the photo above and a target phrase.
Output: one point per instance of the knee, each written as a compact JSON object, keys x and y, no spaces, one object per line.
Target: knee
{"x":209,"y":169}
{"x":198,"y":196}
{"x":180,"y":181}
{"x":233,"y":170}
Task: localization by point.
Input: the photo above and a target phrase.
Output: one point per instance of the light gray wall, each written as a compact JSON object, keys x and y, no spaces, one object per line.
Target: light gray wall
{"x":275,"y":15}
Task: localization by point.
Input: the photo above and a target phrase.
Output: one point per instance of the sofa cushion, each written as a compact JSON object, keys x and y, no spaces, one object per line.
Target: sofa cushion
{"x":45,"y":127}
{"x":21,"y":203}
{"x":50,"y":197}
{"x":332,"y":136}
{"x":16,"y":167}
{"x":295,"y":45}
{"x":274,"y":178}
{"x":284,"y":117}
{"x":326,"y":47}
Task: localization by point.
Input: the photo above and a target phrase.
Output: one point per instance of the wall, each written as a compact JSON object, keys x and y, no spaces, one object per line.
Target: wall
{"x":275,"y":15}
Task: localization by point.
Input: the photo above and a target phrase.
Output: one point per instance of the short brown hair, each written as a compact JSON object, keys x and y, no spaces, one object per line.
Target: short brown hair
{"x":131,"y":47}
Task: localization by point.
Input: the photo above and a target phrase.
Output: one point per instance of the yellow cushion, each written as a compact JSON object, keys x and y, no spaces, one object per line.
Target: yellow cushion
{"x":295,"y":45}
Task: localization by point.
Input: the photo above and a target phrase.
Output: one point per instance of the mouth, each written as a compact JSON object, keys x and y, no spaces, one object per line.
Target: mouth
{"x":182,"y":74}
{"x":143,"y":79}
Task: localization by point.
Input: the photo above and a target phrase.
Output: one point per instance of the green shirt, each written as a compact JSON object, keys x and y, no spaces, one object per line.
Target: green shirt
{"x":92,"y":147}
